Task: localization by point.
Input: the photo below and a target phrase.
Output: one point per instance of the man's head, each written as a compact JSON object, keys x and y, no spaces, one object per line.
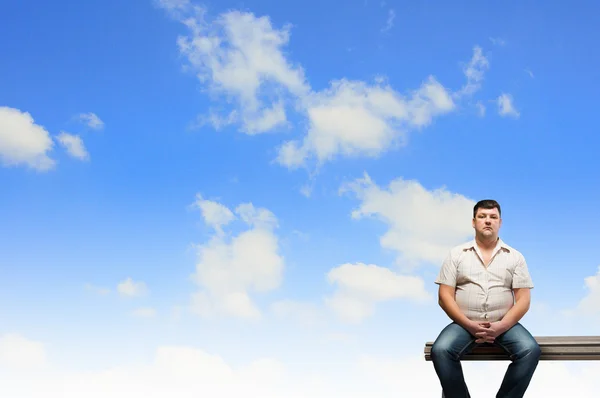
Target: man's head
{"x":487,"y":219}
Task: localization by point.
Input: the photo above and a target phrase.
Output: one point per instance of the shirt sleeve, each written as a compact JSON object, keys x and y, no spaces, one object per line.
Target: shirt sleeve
{"x":447,"y":274}
{"x":521,"y":277}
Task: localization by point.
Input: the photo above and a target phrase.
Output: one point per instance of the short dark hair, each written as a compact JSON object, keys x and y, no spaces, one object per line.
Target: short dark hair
{"x":486,"y":204}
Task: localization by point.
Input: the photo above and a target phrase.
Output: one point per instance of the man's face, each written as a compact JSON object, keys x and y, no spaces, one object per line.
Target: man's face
{"x":487,"y":223}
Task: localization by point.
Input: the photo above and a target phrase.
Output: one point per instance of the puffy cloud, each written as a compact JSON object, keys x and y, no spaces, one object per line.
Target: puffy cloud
{"x":179,"y":371}
{"x":354,"y":118}
{"x":188,"y":372}
{"x":23,"y":142}
{"x":361,"y":286}
{"x":590,"y":304}
{"x":423,"y":224}
{"x":241,"y":58}
{"x":231,"y":266}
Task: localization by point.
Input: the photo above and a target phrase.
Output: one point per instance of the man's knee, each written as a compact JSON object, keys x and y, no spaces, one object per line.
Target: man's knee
{"x":441,"y":349}
{"x":534,"y":350}
{"x":529,"y":349}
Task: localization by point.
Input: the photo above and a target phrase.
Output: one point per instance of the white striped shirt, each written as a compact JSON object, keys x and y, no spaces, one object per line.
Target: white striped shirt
{"x":484,"y":293}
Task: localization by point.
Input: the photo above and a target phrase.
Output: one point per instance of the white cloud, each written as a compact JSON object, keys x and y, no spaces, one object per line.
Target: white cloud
{"x":361,"y":286}
{"x":22,"y":142}
{"x":74,"y":145}
{"x":130,"y":288}
{"x":506,"y":106}
{"x":239,"y":56}
{"x":18,"y":352}
{"x":551,"y":379}
{"x":91,"y":120}
{"x":354,"y":118}
{"x":474,"y":72}
{"x":214,"y":214}
{"x":187,"y":372}
{"x":179,"y":371}
{"x":258,"y":218}
{"x":590,"y":304}
{"x":389,"y":23}
{"x":144,"y":312}
{"x":423,"y":224}
{"x":217,"y":121}
{"x":230,"y":266}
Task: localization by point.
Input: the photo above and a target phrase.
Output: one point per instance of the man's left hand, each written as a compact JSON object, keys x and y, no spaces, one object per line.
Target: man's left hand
{"x":494,"y":329}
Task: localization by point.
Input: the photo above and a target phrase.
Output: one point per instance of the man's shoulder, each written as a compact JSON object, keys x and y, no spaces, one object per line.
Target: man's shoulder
{"x":511,"y":250}
{"x":461,"y":248}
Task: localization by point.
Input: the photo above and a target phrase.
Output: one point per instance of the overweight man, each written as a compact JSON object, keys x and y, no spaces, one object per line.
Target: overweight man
{"x":484,"y":288}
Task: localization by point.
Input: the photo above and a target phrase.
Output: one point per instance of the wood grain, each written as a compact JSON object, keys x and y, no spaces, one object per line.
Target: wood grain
{"x":554,"y":348}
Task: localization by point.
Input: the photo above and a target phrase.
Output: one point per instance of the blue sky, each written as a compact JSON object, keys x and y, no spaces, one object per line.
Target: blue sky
{"x":269,"y":189}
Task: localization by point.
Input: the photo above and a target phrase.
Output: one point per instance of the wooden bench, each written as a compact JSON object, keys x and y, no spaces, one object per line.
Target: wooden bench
{"x":554,"y":348}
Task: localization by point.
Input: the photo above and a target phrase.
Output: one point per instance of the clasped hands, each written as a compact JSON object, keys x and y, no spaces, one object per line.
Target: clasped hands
{"x":486,"y":332}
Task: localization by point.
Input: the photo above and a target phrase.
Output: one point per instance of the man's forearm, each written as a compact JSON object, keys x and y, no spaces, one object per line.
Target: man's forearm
{"x":451,"y":309}
{"x":515,"y":314}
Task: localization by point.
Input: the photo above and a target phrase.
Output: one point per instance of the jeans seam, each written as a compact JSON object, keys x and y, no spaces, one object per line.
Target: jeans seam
{"x":505,"y":349}
{"x":463,"y":350}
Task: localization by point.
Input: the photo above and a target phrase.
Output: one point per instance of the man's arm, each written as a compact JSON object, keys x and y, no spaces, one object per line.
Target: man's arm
{"x":514,"y":315}
{"x":448,"y":303}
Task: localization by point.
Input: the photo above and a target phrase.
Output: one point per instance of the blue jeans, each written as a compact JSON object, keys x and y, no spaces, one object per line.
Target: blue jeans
{"x":455,"y":341}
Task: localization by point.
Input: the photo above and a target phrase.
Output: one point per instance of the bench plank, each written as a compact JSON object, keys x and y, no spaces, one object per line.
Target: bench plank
{"x":556,"y":348}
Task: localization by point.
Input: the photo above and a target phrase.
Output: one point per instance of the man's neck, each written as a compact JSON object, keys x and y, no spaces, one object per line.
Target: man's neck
{"x":486,"y":244}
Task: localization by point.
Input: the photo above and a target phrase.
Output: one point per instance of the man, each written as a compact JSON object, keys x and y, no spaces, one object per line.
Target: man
{"x":484,"y":288}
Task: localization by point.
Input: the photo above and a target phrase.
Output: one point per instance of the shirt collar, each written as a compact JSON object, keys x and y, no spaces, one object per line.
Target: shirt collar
{"x":500,"y":244}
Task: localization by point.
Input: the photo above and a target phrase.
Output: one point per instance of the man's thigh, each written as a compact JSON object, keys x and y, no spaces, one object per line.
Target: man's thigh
{"x":516,"y":339}
{"x":454,"y":339}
